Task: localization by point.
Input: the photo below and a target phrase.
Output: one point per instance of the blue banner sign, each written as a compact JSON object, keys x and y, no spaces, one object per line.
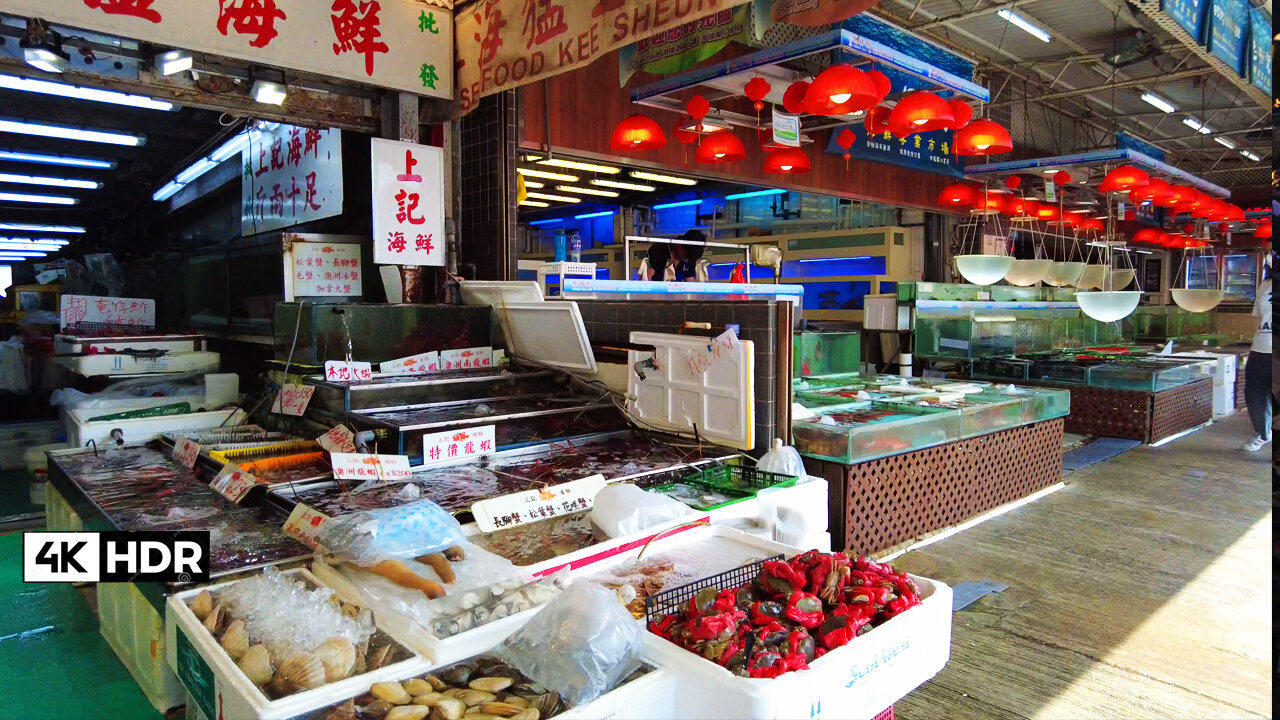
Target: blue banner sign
{"x":1189,"y":14}
{"x":1227,"y":32}
{"x":1125,"y":141}
{"x":930,"y":152}
{"x":911,"y":46}
{"x":1260,"y":49}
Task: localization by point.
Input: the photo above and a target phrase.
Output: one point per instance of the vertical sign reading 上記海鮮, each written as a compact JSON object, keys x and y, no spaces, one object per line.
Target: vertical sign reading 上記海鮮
{"x":408,"y":203}
{"x":289,"y":175}
{"x":1228,"y":28}
{"x":326,"y":269}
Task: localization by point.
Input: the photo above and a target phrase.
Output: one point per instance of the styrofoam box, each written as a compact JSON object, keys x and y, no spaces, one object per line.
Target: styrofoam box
{"x":136,"y":632}
{"x":73,"y":345}
{"x":222,"y":690}
{"x":139,"y":430}
{"x":120,"y":364}
{"x":1224,"y":400}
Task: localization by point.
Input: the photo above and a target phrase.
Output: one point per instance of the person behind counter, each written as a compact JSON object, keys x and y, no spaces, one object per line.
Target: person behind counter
{"x":681,"y":263}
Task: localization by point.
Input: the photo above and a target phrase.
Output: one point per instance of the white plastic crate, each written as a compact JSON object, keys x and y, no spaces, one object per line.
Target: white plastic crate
{"x":135,"y":631}
{"x":221,"y":690}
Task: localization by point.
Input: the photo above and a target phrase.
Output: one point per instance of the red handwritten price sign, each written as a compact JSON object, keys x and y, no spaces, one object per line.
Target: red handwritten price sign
{"x":530,"y":506}
{"x":421,"y":363}
{"x":233,"y":483}
{"x":293,"y":399}
{"x":304,"y":524}
{"x":726,"y":343}
{"x":76,"y":309}
{"x":185,"y":451}
{"x":466,"y":358}
{"x":342,"y":371}
{"x":376,"y":469}
{"x":339,"y":439}
{"x":445,"y":447}
{"x":408,"y":203}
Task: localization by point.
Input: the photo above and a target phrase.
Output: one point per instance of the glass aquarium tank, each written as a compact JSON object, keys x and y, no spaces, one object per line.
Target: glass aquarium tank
{"x":885,"y":428}
{"x":1148,"y":373}
{"x":980,"y":412}
{"x":826,"y":353}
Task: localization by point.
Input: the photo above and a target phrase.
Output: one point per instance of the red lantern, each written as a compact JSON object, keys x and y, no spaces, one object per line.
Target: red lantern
{"x":1182,"y":195}
{"x":698,"y":107}
{"x":1013,"y":182}
{"x":840,"y":90}
{"x":1148,"y":235}
{"x":1263,"y":231}
{"x":957,"y":194}
{"x":1123,"y":179}
{"x":756,"y":90}
{"x":720,"y":147}
{"x":882,"y":83}
{"x":684,"y":136}
{"x":637,"y":133}
{"x":793,"y":98}
{"x":1062,"y":177}
{"x":845,"y":138}
{"x":790,"y":161}
{"x":921,"y":111}
{"x":961,"y":111}
{"x":982,"y":137}
{"x":1188,"y":228}
{"x":877,"y":121}
{"x":1129,"y":214}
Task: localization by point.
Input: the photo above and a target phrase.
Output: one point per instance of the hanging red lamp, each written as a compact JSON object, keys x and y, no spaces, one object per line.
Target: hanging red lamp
{"x":1013,"y":182}
{"x":993,"y":201}
{"x":1123,"y":179}
{"x":1182,"y":195}
{"x":1161,"y":193}
{"x":840,"y":90}
{"x":882,"y":83}
{"x":1015,"y":206}
{"x":1046,"y":212}
{"x":877,"y":121}
{"x":756,"y":89}
{"x":637,"y":133}
{"x":957,"y":194}
{"x":982,"y":137}
{"x":1149,"y":235}
{"x":1062,"y":177}
{"x":920,"y":112}
{"x":1091,"y":223}
{"x":697,"y":107}
{"x":1235,"y":213}
{"x":1263,"y":231}
{"x":720,"y":147}
{"x":793,"y":98}
{"x":790,"y":161}
{"x":961,"y":112}
{"x":684,"y":136}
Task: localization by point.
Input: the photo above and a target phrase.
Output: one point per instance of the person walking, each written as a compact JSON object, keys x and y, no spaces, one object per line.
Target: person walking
{"x":1257,"y":372}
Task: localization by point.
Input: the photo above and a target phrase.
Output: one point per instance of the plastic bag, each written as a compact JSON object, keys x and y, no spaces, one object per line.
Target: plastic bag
{"x":782,"y":459}
{"x":395,"y":533}
{"x":582,"y":644}
{"x":622,"y":509}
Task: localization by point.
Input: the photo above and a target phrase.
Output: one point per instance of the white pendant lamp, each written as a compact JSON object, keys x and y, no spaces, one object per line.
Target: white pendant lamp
{"x":1062,"y":274}
{"x":1198,"y":300}
{"x":983,"y":268}
{"x":1025,"y":273}
{"x":1108,"y":304}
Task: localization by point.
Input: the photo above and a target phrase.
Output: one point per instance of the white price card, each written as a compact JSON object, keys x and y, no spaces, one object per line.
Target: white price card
{"x":293,"y":399}
{"x":185,"y":451}
{"x":343,"y":371}
{"x":233,"y":483}
{"x":420,"y":363}
{"x":340,"y":440}
{"x":304,"y":524}
{"x":466,"y":358}
{"x":376,"y":469}
{"x":457,"y":445}
{"x":533,"y":505}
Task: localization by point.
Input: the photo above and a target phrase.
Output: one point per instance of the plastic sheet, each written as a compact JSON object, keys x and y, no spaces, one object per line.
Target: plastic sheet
{"x":184,"y":385}
{"x":623,"y":509}
{"x":397,"y":533}
{"x":783,"y":459}
{"x":583,"y":643}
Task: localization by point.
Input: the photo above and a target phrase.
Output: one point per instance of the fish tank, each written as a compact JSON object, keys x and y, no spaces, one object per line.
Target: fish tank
{"x":376,"y":332}
{"x":1149,"y":373}
{"x":826,"y":353}
{"x":1038,"y":403}
{"x":980,"y":412}
{"x":964,"y":335}
{"x":942,"y":291}
{"x":884,"y":428}
{"x":830,"y":382}
{"x":1001,"y":368}
{"x":831,"y":399}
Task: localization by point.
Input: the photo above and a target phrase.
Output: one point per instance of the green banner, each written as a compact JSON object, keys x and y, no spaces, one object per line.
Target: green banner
{"x":680,"y":48}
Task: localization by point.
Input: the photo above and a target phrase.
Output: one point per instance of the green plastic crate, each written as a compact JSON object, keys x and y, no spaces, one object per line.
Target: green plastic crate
{"x":738,"y":478}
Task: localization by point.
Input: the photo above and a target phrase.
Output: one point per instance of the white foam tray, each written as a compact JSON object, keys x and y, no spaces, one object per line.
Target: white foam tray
{"x":119,"y":364}
{"x":140,"y":430}
{"x":74,"y":345}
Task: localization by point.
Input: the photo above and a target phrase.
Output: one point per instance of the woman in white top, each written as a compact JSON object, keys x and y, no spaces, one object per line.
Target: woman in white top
{"x":1257,"y":372}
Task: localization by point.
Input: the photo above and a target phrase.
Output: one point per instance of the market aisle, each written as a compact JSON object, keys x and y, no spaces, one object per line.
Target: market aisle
{"x":54,"y":662}
{"x":1137,"y":591}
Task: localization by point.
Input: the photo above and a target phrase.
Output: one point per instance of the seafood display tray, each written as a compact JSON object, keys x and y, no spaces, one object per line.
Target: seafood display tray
{"x":386,"y":393}
{"x":220,"y":689}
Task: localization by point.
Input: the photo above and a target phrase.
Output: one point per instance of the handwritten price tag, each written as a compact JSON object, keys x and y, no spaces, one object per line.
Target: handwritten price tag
{"x":522,"y":508}
{"x":377,"y":469}
{"x":726,"y":343}
{"x":466,"y":358}
{"x":339,"y":439}
{"x":293,"y":399}
{"x":456,"y":445}
{"x":233,"y":483}
{"x":421,"y":363}
{"x":304,"y":524}
{"x":185,"y":451}
{"x":342,"y":371}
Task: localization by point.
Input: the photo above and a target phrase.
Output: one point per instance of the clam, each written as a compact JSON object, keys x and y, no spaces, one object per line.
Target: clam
{"x":449,"y":709}
{"x":408,"y":712}
{"x":213,"y":620}
{"x":548,"y":704}
{"x":338,"y":656}
{"x":436,"y":683}
{"x":429,"y":699}
{"x":236,"y":639}
{"x":497,"y":668}
{"x":201,"y":605}
{"x":492,"y":684}
{"x":255,"y":663}
{"x":392,"y":692}
{"x":377,"y":708}
{"x":500,"y":709}
{"x":378,"y":657}
{"x":475,"y":697}
{"x":417,"y":686}
{"x":459,"y":674}
{"x":516,"y":700}
{"x":300,"y":672}
{"x":527,"y":714}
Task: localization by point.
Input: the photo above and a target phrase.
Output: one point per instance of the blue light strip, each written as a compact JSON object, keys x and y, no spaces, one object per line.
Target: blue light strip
{"x":682,"y":203}
{"x":754,"y":193}
{"x":546,"y":222}
{"x":584,"y":216}
{"x":834,"y":259}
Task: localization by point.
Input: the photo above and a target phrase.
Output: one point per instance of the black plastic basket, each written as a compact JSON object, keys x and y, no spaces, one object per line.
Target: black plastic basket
{"x":668,"y":601}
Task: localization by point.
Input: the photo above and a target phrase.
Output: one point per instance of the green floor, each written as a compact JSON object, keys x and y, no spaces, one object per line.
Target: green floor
{"x":53,"y":662}
{"x":15,"y":496}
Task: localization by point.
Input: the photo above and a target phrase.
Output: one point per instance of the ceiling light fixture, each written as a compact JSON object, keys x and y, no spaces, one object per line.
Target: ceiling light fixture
{"x":24,"y":246}
{"x":56,"y":242}
{"x":754,"y":193}
{"x":42,"y":47}
{"x":679,"y":203}
{"x":20,"y":227}
{"x":230,"y":148}
{"x":656,"y":177}
{"x":548,"y":221}
{"x":269,"y":93}
{"x":530,"y":172}
{"x":1030,"y":27}
{"x":173,"y":62}
{"x":1224,"y":142}
{"x":56,"y":160}
{"x":1250,"y":155}
{"x":49,"y":181}
{"x":70,"y":133}
{"x":21,"y":254}
{"x":534,"y":184}
{"x":41,"y":199}
{"x":75,"y":92}
{"x":547,"y":196}
{"x":622,"y":185}
{"x":636,"y":133}
{"x":196,"y":169}
{"x":1158,"y":102}
{"x":586,"y":216}
{"x":586,"y":191}
{"x":167,"y":191}
{"x":574,"y":165}
{"x":535,"y":203}
{"x":1197,"y":126}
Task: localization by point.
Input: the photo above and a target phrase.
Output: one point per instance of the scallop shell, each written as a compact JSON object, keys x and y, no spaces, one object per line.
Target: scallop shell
{"x":201,"y":605}
{"x":235,"y":640}
{"x":338,"y":656}
{"x":491,"y":684}
{"x":392,"y":692}
{"x":300,"y":672}
{"x":408,"y":712}
{"x":213,"y":620}
{"x":255,"y":663}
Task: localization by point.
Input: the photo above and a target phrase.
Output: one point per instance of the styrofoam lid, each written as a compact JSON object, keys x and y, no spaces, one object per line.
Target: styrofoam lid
{"x":549,"y":333}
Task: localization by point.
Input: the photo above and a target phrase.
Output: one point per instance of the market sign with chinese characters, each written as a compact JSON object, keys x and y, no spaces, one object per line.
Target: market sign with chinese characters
{"x":347,"y":371}
{"x":930,"y":151}
{"x":682,"y":47}
{"x":408,"y":203}
{"x":85,"y":309}
{"x":522,"y":508}
{"x":455,"y":445}
{"x":289,"y":175}
{"x":503,"y":44}
{"x":466,"y":358}
{"x":326,"y":269}
{"x":397,"y":44}
{"x":374,"y":469}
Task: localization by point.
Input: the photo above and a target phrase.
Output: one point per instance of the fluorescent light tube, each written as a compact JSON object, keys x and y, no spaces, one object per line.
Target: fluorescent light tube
{"x":32,"y":247}
{"x":681,"y":203}
{"x":658,"y":177}
{"x":59,"y":242}
{"x":75,"y":92}
{"x":45,"y":59}
{"x":754,"y":193}
{"x":1224,"y":142}
{"x":548,"y":221}
{"x":1196,"y":125}
{"x":57,"y":160}
{"x":1025,"y":24}
{"x":70,"y":133}
{"x":173,"y":62}
{"x":15,"y":254}
{"x":198,"y":168}
{"x":575,"y":165}
{"x":269,"y":93}
{"x":231,"y":147}
{"x":535,"y":203}
{"x":49,"y":181}
{"x":622,"y":185}
{"x":834,"y":259}
{"x":167,"y":191}
{"x":42,"y":199}
{"x":20,"y":227}
{"x":530,"y":172}
{"x":1158,"y":102}
{"x":584,"y":216}
{"x":586,"y":191}
{"x":533,"y":184}
{"x":560,"y":198}
{"x":1250,"y":155}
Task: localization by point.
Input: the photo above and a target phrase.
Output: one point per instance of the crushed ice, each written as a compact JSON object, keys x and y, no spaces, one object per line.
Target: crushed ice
{"x":281,"y":612}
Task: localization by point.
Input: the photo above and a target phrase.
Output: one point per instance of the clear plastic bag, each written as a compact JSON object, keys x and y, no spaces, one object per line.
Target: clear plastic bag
{"x":395,"y":533}
{"x":583,"y":643}
{"x":622,"y":509}
{"x":782,"y":459}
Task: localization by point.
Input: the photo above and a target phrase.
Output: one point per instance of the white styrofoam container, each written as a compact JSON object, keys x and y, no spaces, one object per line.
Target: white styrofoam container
{"x":120,"y":364}
{"x":882,"y":312}
{"x":221,"y":690}
{"x":74,"y":345}
{"x":1224,"y":400}
{"x":140,"y":430}
{"x":136,"y":632}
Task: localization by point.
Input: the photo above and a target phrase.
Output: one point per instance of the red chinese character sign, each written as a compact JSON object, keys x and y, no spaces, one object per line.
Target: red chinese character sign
{"x":400,"y":44}
{"x":408,"y":203}
{"x":325,"y":270}
{"x":78,"y":309}
{"x":454,"y":445}
{"x":290,"y":175}
{"x":522,"y":508}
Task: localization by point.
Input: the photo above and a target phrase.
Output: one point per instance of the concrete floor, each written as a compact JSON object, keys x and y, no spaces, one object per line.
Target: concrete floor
{"x":1141,"y":590}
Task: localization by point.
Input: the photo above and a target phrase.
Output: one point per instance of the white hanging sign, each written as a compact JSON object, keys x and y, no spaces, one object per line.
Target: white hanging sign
{"x":786,"y":128}
{"x":340,"y":439}
{"x":428,"y":362}
{"x":76,"y":309}
{"x":290,"y":175}
{"x":343,"y":371}
{"x":185,"y":451}
{"x":466,"y":358}
{"x":326,"y":269}
{"x":408,"y":203}
{"x":522,"y":508}
{"x":446,"y":447}
{"x":371,"y":468}
{"x":304,"y":524}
